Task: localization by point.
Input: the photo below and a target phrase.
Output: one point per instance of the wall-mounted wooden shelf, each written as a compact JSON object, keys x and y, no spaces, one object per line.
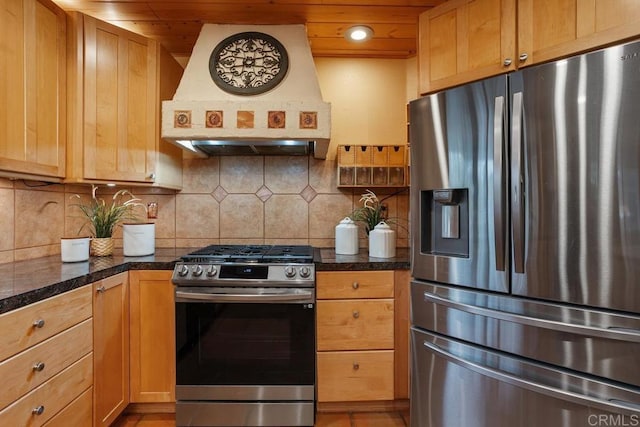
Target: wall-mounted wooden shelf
{"x":372,"y":166}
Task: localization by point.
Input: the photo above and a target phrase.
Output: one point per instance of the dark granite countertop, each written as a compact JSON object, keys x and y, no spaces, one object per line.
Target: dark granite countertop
{"x":26,"y":282}
{"x":327,"y":260}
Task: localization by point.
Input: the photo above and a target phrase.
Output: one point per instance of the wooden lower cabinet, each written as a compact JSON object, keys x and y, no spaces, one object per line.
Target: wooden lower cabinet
{"x":362,"y":339}
{"x":153,"y":362}
{"x":46,"y":359}
{"x":111,"y":348}
{"x":78,"y":413}
{"x":355,"y":376}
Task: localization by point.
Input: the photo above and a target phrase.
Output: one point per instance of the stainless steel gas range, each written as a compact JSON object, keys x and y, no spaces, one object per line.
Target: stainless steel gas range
{"x":245,"y":336}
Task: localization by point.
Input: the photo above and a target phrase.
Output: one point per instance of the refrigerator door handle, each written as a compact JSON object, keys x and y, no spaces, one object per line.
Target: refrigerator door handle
{"x":534,"y":386}
{"x":624,"y":334}
{"x":498,"y":182}
{"x":517,"y":208}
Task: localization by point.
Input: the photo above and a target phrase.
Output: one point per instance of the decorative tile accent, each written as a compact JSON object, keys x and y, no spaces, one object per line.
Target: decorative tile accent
{"x":277,"y":119}
{"x":308,"y":120}
{"x":245,"y":120}
{"x":264,"y":193}
{"x":214,"y":119}
{"x":308,"y":193}
{"x":219,"y":194}
{"x":182,"y":119}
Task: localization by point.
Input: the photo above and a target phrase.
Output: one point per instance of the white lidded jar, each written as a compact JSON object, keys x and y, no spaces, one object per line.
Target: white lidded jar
{"x":382,"y":241}
{"x":347,"y":237}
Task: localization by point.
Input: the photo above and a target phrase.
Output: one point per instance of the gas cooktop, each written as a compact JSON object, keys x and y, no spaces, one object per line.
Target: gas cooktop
{"x":250,"y":265}
{"x":275,"y":254}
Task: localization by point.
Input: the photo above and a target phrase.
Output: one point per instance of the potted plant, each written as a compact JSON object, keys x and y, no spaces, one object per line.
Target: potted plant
{"x":102,"y":218}
{"x":371,"y":213}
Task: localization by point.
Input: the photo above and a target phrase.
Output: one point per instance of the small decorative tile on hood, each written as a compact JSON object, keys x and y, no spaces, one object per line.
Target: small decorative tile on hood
{"x":214,"y":119}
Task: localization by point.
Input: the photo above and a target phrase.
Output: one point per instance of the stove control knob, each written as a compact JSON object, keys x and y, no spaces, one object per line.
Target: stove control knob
{"x":183,"y":271}
{"x":197,"y":271}
{"x":289,"y":271}
{"x":305,"y":272}
{"x":212,"y":271}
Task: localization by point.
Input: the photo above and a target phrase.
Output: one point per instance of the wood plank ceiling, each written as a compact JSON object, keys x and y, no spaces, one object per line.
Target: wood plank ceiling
{"x":176,"y":24}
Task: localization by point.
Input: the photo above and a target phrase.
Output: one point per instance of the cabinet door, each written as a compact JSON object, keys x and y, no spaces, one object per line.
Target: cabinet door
{"x":119,"y":103}
{"x":169,"y":161}
{"x":465,"y":40}
{"x":33,"y":88}
{"x":111,"y":348}
{"x":153,"y":362}
{"x":550,"y":29}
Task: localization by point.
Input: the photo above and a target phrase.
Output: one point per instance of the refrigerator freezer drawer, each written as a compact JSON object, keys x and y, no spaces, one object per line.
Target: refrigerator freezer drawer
{"x":596,"y":342}
{"x":459,"y":385}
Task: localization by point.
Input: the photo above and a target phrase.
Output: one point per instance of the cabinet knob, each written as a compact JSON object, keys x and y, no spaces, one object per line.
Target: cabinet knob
{"x":101,"y":289}
{"x":39,"y":323}
{"x":356,"y":366}
{"x":507,"y":62}
{"x":38,"y":410}
{"x":355,"y":285}
{"x":356,"y":314}
{"x":152,"y":176}
{"x":523,"y":57}
{"x":38,"y":366}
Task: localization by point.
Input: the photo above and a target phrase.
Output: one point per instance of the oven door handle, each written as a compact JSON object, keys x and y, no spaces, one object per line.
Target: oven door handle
{"x":273,"y":296}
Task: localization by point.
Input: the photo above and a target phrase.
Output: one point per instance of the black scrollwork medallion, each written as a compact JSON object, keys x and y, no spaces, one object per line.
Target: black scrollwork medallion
{"x":248,"y":63}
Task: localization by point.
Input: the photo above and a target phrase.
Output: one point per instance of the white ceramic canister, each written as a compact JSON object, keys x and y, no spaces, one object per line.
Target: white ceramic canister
{"x":347,"y":237}
{"x":382,"y":241}
{"x":138,"y":239}
{"x":74,"y":249}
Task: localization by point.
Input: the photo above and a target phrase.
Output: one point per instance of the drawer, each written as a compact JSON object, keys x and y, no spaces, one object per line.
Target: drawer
{"x":50,"y":397}
{"x":78,"y":413}
{"x":355,"y":375}
{"x":354,"y":284}
{"x":36,"y":322}
{"x":27,"y":370}
{"x":355,"y":324}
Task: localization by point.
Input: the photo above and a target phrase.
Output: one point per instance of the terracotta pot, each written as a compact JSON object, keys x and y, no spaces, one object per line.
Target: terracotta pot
{"x":101,"y":246}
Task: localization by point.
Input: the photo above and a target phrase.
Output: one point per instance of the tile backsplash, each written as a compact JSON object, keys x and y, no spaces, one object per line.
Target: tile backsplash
{"x":235,"y":200}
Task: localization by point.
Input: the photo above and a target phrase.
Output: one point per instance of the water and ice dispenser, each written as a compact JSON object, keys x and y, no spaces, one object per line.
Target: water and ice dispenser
{"x":445,"y":222}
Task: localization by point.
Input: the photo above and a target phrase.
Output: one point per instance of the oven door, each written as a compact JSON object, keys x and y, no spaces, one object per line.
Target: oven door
{"x":245,"y":344}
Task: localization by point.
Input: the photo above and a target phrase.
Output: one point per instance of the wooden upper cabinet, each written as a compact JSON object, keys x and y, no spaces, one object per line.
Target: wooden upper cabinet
{"x":465,"y":40}
{"x":32,"y":89}
{"x":550,"y":29}
{"x":115,"y":92}
{"x":117,"y":80}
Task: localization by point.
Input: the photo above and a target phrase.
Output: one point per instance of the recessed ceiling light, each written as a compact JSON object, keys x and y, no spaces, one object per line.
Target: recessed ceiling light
{"x":359,"y":33}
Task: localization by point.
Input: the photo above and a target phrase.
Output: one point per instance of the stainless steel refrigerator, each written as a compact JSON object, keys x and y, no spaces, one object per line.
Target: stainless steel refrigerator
{"x":525,"y":213}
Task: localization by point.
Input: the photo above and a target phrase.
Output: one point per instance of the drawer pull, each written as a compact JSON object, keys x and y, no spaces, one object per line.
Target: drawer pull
{"x":356,"y":366}
{"x":38,"y":323}
{"x":355,"y":285}
{"x":356,"y":314}
{"x":101,"y":289}
{"x":38,"y":366}
{"x":38,"y":410}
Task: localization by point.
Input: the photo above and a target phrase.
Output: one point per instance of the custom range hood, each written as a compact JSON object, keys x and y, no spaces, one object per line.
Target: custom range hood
{"x":249,"y":89}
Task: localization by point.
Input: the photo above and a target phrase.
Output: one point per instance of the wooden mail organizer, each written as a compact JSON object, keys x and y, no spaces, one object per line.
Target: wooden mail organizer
{"x":372,"y":166}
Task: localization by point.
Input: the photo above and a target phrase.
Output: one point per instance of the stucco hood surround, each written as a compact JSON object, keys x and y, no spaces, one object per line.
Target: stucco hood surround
{"x":225,"y":123}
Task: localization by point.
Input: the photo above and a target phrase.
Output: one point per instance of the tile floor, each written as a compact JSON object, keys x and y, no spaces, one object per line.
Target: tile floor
{"x":350,"y":419}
